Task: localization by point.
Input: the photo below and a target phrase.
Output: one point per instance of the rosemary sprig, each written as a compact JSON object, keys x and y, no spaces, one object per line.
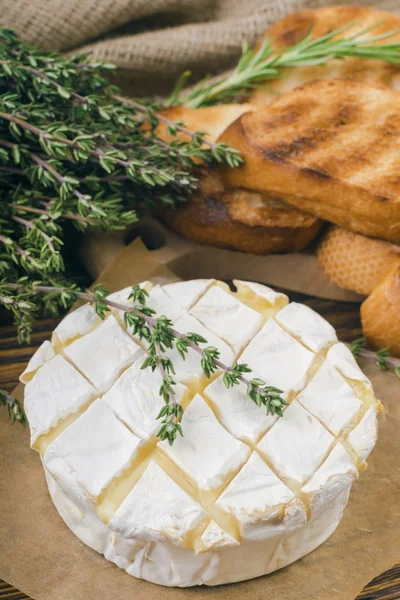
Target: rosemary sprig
{"x":161,"y":337}
{"x":255,"y":69}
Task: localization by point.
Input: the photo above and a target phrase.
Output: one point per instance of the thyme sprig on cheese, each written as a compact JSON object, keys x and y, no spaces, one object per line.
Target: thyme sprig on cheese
{"x":254,"y":69}
{"x":160,"y":335}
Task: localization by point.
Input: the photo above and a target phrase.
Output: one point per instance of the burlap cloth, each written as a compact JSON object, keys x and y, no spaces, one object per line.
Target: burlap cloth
{"x":153,"y":41}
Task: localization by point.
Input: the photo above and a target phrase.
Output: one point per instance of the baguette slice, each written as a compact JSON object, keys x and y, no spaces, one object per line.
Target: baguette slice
{"x":330,"y":148}
{"x":354,"y":261}
{"x":240,"y":220}
{"x":380,"y":314}
{"x":318,"y":22}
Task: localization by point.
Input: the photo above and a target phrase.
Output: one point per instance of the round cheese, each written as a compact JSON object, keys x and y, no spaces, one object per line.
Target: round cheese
{"x":242,"y":493}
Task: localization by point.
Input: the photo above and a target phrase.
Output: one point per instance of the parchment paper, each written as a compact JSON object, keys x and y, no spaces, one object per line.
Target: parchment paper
{"x":43,"y":558}
{"x":297,"y":272}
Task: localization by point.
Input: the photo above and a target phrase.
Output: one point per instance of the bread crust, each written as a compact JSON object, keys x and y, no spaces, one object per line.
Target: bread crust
{"x":240,"y":220}
{"x":354,"y":261}
{"x":318,"y":22}
{"x":213,"y":120}
{"x":326,"y":148}
{"x":232,"y":218}
{"x":380,"y":314}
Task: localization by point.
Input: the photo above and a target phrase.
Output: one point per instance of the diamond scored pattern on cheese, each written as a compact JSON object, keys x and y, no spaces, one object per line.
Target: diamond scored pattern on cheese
{"x":91,"y":452}
{"x":237,"y":413}
{"x":44,"y":353}
{"x":272,"y":352}
{"x":226,"y":316}
{"x":296,"y":445}
{"x":307,"y":326}
{"x":187,"y":293}
{"x":56,"y":391}
{"x":135,"y":399}
{"x":207,"y":453}
{"x":189,"y":371}
{"x":209,"y":491}
{"x":78,"y":323}
{"x":253,"y":494}
{"x":330,"y":398}
{"x":157,"y":508}
{"x":104,"y":353}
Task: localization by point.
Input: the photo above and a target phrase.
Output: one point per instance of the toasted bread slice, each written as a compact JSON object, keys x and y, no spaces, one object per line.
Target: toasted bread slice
{"x":240,"y":220}
{"x":212,"y":120}
{"x":380,"y":314}
{"x":319,"y":22}
{"x":354,"y":261}
{"x":330,"y":148}
{"x":232,"y":218}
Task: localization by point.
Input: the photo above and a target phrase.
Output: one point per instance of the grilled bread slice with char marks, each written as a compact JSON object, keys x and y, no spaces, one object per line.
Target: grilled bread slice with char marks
{"x":232,"y":218}
{"x":319,"y":22}
{"x":237,"y":219}
{"x":330,"y":148}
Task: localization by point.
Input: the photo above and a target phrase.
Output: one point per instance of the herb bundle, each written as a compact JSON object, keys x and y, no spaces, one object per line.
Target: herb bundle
{"x":72,"y":149}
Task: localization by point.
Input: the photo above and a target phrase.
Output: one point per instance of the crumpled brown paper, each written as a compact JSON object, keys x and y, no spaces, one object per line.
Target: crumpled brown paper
{"x":297,"y":272}
{"x":42,"y":557}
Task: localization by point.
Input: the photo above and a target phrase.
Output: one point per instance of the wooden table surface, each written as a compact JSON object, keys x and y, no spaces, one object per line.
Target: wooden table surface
{"x":343,"y":316}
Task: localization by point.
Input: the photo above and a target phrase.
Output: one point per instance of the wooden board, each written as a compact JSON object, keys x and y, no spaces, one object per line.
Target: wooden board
{"x":344,"y":316}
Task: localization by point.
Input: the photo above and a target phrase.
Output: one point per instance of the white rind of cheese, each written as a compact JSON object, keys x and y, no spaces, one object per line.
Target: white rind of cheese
{"x":187,"y":293}
{"x":213,"y":538}
{"x":334,"y":476}
{"x":189,"y":370}
{"x":90,"y":453}
{"x":227,"y":317}
{"x":275,"y":299}
{"x":161,"y":302}
{"x":104,"y":353}
{"x":237,"y":412}
{"x":341,"y":357}
{"x":44,"y":353}
{"x":165,"y":563}
{"x":252,"y":497}
{"x":238,"y":513}
{"x":76,"y":324}
{"x":330,"y":398}
{"x":207,"y":453}
{"x":56,"y":391}
{"x":157,"y":508}
{"x":270,"y":353}
{"x":364,"y":436}
{"x":296,"y":445}
{"x":307,"y":326}
{"x":136,"y":401}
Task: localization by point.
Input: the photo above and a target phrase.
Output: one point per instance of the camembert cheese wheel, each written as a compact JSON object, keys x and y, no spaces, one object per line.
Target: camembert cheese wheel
{"x":241,"y":494}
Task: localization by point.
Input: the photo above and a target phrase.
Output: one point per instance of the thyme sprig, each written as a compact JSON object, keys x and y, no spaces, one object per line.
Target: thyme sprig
{"x":14,"y":409}
{"x":254,"y":69}
{"x":161,"y":336}
{"x":381,"y":358}
{"x":74,"y":150}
